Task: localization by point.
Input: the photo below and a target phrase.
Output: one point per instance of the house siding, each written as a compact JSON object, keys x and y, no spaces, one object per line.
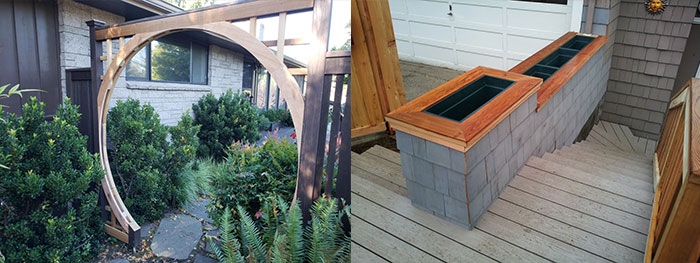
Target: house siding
{"x":646,"y":54}
{"x":170,"y":100}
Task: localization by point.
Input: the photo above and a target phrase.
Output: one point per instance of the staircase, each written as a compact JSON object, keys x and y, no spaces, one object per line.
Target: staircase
{"x":587,"y":202}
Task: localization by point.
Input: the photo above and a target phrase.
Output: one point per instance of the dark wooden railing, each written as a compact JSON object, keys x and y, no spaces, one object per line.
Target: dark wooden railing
{"x":320,"y":151}
{"x":674,"y":232}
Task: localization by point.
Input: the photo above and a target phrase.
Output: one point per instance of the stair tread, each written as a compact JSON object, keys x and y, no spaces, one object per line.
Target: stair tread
{"x":600,"y":170}
{"x":608,"y":151}
{"x":592,"y":180}
{"x":632,"y":169}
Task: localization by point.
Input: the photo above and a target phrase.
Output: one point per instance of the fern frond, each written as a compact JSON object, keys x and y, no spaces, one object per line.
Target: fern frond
{"x":231,"y":248}
{"x":251,"y":235}
{"x":294,"y":232}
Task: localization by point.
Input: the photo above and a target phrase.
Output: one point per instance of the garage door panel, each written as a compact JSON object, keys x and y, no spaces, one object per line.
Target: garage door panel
{"x":513,"y":62}
{"x":432,"y":31}
{"x":518,"y":18}
{"x":428,"y":8}
{"x":436,"y":53}
{"x":404,"y":47}
{"x":477,"y":14}
{"x":400,"y":27}
{"x":493,"y":33}
{"x":479,"y":39}
{"x":525,"y":45}
{"x":397,"y":6}
{"x":475,"y":59}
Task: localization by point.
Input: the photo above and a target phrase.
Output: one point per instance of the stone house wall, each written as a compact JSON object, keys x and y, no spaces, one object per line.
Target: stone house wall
{"x":170,"y":100}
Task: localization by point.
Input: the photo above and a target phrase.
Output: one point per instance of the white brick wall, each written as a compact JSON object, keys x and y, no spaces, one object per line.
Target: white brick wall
{"x":170,"y":100}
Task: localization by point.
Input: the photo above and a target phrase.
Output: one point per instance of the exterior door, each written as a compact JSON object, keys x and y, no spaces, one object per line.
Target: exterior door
{"x":463,"y":34}
{"x":79,"y":91}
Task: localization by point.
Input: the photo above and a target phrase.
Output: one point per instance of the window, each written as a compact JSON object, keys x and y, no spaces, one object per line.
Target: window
{"x":170,"y":60}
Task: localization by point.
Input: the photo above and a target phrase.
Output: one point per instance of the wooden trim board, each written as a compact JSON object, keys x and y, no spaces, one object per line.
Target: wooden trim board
{"x":217,"y":13}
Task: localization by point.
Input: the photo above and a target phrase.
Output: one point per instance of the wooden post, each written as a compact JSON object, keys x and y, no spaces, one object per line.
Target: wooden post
{"x":95,"y":73}
{"x":315,"y":112}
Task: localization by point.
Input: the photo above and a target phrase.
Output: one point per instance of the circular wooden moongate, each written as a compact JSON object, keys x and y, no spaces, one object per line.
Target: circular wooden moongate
{"x":287,"y":84}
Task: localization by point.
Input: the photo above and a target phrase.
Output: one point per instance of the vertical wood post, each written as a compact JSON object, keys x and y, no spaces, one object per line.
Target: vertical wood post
{"x":95,"y":73}
{"x":315,"y":112}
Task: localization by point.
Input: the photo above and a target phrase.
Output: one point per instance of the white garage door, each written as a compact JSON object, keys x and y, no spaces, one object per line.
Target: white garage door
{"x":493,"y":33}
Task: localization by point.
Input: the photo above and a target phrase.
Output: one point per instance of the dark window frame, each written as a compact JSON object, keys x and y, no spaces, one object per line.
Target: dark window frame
{"x":148,"y":67}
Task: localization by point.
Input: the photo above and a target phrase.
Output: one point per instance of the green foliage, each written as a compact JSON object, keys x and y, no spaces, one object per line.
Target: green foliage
{"x":225,"y":120}
{"x":264,"y":124}
{"x":281,"y":238}
{"x":149,"y":168}
{"x":251,"y":174}
{"x":201,"y":172}
{"x":13,"y":91}
{"x":279,"y":115}
{"x":48,"y":201}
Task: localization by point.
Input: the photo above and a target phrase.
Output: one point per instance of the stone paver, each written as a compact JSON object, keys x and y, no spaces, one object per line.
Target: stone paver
{"x":118,"y":260}
{"x":199,"y":258}
{"x":177,"y":236}
{"x":199,"y":210}
{"x":146,"y":230}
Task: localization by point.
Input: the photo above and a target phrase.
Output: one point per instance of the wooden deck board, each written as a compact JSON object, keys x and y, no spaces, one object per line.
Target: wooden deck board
{"x":582,"y":204}
{"x":566,"y":233}
{"x":630,"y":158}
{"x":599,"y":182}
{"x":410,"y":232}
{"x":589,"y":202}
{"x":636,"y":171}
{"x":581,"y":213}
{"x":534,"y":241}
{"x":386,"y":245}
{"x":361,"y":254}
{"x":584,"y":165}
{"x":475,"y":239}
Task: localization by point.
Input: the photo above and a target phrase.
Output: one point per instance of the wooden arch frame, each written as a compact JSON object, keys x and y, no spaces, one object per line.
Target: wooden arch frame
{"x":279,"y":72}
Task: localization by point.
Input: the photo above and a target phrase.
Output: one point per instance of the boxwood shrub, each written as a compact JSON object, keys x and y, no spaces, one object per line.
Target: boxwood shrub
{"x":229,"y":118}
{"x":149,"y":159}
{"x":48,"y":196}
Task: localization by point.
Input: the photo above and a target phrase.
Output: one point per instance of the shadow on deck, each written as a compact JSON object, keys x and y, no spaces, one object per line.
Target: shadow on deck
{"x":589,"y":202}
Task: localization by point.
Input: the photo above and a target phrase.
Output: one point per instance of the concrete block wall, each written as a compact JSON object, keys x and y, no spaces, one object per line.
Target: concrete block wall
{"x":459,"y":186}
{"x":646,"y":55}
{"x":170,"y":100}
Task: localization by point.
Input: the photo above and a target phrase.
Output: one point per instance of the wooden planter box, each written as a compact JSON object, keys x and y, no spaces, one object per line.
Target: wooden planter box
{"x":440,"y":138}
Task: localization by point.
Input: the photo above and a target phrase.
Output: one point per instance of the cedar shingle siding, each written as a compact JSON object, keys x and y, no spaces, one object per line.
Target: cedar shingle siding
{"x":646,"y":54}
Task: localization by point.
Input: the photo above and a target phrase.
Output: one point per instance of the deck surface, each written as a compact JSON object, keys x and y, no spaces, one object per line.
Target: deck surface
{"x":558,"y":208}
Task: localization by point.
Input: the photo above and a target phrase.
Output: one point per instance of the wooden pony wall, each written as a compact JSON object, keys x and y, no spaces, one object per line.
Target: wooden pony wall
{"x":308,"y":117}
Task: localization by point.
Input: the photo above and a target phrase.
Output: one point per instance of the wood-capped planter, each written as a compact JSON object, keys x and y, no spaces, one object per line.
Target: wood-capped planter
{"x":441,"y":135}
{"x":460,"y":128}
{"x":559,"y":61}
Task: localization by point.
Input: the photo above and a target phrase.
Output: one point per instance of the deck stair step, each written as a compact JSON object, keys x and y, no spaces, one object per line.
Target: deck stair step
{"x":589,"y":201}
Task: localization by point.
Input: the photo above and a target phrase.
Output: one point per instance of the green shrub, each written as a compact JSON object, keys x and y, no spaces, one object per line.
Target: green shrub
{"x":48,"y":201}
{"x":148,"y":168}
{"x":279,"y":115}
{"x":229,"y":118}
{"x":264,"y":124}
{"x":282,"y":237}
{"x":250,"y":174}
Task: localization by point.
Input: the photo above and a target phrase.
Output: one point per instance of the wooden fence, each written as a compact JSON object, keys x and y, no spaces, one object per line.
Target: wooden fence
{"x":674,"y":232}
{"x":375,"y":67}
